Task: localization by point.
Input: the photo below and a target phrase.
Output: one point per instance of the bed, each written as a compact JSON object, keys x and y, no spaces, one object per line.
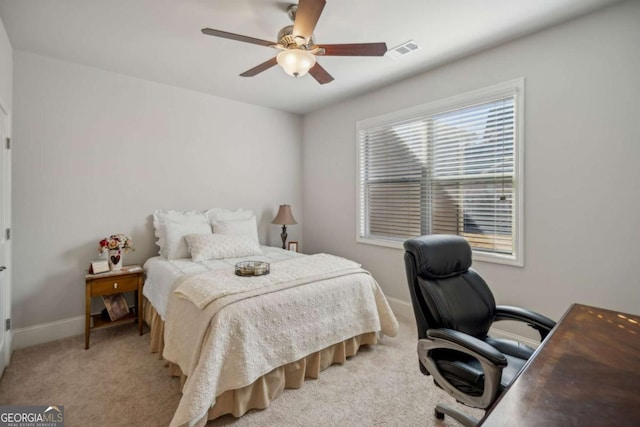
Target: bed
{"x":237,"y":342}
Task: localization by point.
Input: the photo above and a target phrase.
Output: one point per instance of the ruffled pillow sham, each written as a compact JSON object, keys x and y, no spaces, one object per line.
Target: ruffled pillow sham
{"x":175,"y":245}
{"x":190,"y":222}
{"x":242,"y":227}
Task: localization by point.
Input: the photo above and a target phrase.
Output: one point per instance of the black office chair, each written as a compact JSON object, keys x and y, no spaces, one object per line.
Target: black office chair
{"x":454,"y":309}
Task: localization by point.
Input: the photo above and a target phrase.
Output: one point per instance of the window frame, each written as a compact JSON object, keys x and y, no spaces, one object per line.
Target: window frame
{"x":516,"y":88}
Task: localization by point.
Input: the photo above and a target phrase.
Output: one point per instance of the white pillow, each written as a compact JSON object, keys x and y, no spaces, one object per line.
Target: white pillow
{"x":220,"y":214}
{"x":161,"y":217}
{"x":241,"y":227}
{"x":218,"y":246}
{"x":175,"y":245}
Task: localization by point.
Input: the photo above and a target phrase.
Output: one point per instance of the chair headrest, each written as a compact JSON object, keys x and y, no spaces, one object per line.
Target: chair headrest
{"x":439,"y":256}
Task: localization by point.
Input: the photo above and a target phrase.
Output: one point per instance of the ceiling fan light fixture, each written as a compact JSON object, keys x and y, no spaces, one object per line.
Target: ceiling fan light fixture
{"x":297,"y":45}
{"x":296,"y":62}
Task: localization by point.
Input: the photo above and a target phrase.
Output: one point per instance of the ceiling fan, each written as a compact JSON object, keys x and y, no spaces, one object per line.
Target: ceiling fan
{"x":298,"y":49}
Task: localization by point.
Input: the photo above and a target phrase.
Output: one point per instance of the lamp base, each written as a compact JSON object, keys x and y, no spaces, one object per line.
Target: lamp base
{"x":283,"y":235}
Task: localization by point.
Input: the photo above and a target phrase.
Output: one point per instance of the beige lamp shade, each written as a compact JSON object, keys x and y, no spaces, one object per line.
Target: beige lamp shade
{"x":284,"y":216}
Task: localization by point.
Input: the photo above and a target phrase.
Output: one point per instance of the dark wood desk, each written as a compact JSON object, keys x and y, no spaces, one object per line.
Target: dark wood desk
{"x":586,"y":373}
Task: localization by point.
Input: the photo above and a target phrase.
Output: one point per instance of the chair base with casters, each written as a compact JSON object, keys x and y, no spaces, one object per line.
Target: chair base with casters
{"x":464,"y":419}
{"x":454,"y":309}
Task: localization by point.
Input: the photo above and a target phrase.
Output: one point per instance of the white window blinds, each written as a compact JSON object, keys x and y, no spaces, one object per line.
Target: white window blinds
{"x":446,"y":171}
{"x":392,"y":177}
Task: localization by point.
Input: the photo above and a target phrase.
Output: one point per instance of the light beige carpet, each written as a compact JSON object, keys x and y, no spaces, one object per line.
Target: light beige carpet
{"x":117,"y":382}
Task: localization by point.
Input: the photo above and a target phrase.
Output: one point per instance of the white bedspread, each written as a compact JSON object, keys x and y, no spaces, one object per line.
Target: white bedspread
{"x":227,"y":346}
{"x":203,"y":289}
{"x":162,"y":274}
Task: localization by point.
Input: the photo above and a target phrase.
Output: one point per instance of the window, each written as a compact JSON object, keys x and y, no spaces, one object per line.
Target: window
{"x":450,"y":167}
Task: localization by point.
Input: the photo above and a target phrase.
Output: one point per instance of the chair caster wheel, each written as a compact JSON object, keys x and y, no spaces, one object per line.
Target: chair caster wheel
{"x":439,"y":415}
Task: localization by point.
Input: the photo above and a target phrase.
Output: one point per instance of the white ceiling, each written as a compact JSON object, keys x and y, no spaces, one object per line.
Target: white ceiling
{"x":160,"y":40}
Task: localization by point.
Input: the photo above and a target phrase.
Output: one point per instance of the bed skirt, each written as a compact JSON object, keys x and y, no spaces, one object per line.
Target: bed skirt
{"x":261,"y":392}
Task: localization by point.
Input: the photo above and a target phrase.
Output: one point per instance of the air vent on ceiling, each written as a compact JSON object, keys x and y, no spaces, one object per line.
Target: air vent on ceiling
{"x":404,"y":49}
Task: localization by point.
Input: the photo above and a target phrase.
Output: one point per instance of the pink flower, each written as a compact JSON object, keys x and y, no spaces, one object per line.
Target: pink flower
{"x":116,"y":241}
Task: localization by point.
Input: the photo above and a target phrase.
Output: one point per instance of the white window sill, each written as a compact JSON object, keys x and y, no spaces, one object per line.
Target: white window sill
{"x":477,"y":255}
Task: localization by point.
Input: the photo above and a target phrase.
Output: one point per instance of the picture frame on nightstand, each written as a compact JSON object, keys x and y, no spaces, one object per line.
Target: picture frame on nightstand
{"x":293,"y":246}
{"x":99,"y":266}
{"x":116,"y":306}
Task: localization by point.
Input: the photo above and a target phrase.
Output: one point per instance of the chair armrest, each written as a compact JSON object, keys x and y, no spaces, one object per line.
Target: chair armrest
{"x":471,"y":343}
{"x":491,"y":360}
{"x":536,"y":320}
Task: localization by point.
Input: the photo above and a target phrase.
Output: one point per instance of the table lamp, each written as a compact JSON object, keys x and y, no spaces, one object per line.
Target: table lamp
{"x":284,"y":217}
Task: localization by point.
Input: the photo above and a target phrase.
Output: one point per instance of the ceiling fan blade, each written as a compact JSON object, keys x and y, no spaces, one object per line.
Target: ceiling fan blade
{"x":260,"y":68}
{"x":354,"y":49}
{"x":307,"y":17}
{"x":238,"y":37}
{"x":320,"y":74}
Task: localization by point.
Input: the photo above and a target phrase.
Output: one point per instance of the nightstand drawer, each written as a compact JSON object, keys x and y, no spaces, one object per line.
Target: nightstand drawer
{"x":111,"y":285}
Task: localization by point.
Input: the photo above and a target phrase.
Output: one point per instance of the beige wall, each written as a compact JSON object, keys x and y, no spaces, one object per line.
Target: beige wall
{"x":96,"y":153}
{"x":582,"y":147}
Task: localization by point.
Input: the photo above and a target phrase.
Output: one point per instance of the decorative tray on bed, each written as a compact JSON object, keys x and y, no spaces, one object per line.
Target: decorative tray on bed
{"x":252,"y":268}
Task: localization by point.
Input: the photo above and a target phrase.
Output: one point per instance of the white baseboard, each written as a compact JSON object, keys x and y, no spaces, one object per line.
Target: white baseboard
{"x":403,"y":310}
{"x":45,"y":332}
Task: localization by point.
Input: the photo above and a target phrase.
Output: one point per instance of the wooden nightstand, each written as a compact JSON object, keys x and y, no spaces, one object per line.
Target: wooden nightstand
{"x":129,"y":279}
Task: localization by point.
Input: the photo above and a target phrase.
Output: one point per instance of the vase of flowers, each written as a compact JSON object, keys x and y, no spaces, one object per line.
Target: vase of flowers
{"x":116,"y":246}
